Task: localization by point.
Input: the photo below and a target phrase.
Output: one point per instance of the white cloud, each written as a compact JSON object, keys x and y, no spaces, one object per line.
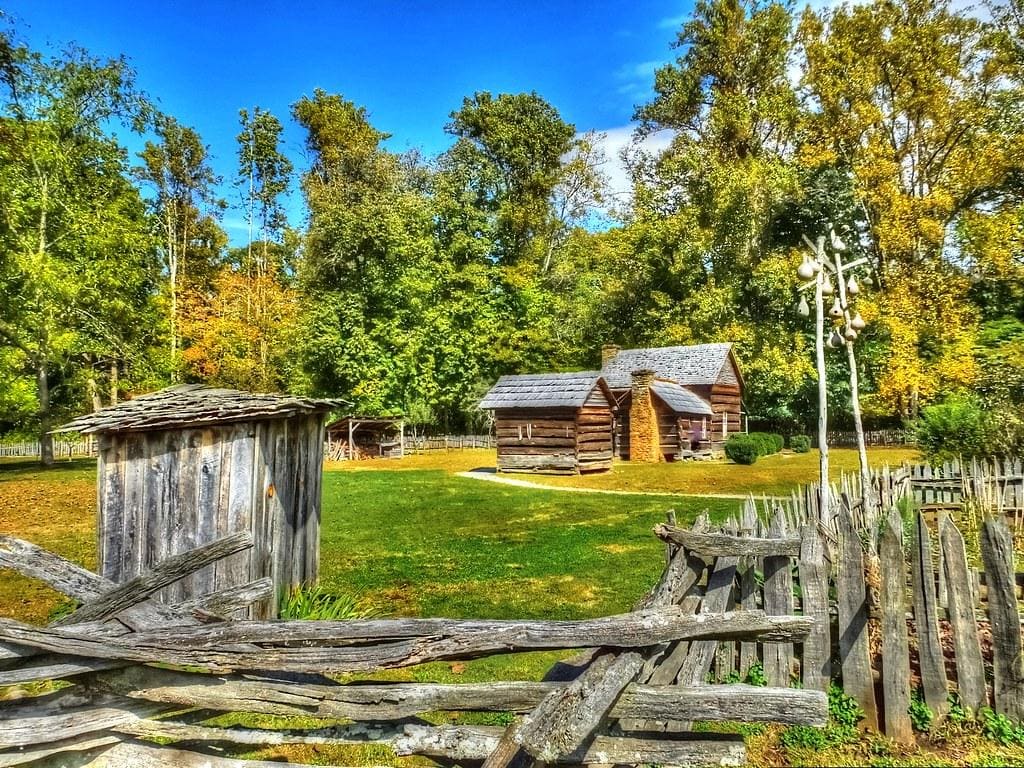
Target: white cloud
{"x":672,"y":22}
{"x":613,"y":141}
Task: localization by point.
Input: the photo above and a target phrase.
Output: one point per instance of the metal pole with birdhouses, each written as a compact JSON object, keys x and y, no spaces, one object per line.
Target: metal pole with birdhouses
{"x":819,"y":270}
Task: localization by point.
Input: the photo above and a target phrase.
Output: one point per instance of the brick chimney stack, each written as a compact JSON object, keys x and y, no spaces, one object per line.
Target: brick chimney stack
{"x":608,"y":351}
{"x":644,"y":440}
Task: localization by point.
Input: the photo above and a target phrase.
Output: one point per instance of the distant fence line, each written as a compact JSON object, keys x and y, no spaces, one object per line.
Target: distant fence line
{"x":62,"y":449}
{"x":843,"y":439}
{"x":447,"y":442}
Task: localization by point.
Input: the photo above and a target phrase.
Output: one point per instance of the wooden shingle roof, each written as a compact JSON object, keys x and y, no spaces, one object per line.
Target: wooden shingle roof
{"x":694,"y":365}
{"x":192,"y":405}
{"x":680,"y":399}
{"x":543,"y":390}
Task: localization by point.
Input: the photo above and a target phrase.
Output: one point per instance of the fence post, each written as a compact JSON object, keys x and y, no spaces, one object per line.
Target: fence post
{"x":854,"y":650}
{"x":926,"y":621}
{"x":778,"y":601}
{"x":1007,"y":663}
{"x":895,"y":651}
{"x":814,"y":573}
{"x":970,"y":671}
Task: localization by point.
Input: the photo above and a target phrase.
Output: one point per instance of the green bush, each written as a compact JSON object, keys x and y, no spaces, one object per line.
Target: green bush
{"x":951,"y":429}
{"x":800,"y":443}
{"x":743,"y":449}
{"x":767,"y":444}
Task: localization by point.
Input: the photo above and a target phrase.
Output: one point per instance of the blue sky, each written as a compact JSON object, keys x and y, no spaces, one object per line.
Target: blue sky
{"x":410,"y":64}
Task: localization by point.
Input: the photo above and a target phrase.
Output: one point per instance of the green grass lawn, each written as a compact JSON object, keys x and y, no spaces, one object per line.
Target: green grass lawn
{"x":422,"y":542}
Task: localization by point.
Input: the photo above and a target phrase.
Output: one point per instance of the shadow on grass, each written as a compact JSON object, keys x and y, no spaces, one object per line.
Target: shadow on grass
{"x":12,"y":469}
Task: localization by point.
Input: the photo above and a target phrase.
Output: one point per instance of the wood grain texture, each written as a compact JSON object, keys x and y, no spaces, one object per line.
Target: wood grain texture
{"x":778,"y":601}
{"x":895,"y":646}
{"x":1008,"y":665}
{"x":816,"y":667}
{"x":970,"y":669}
{"x":854,"y":650}
{"x":926,"y":621}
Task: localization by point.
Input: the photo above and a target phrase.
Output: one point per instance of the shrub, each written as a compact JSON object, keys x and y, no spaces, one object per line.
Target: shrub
{"x":921,"y":715}
{"x":315,"y":603}
{"x":768,"y":443}
{"x":800,"y":443}
{"x":742,"y":449}
{"x":954,"y":428}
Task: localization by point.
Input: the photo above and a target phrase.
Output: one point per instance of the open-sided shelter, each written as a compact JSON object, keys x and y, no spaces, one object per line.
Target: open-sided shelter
{"x":559,"y":423}
{"x":190,"y":464}
{"x":366,"y":437}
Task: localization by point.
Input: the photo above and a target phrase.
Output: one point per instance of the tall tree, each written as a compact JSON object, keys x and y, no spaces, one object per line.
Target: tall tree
{"x":76,"y":259}
{"x":177,"y":168}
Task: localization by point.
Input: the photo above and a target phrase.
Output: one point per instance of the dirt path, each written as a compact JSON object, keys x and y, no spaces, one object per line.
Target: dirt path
{"x":492,"y":477}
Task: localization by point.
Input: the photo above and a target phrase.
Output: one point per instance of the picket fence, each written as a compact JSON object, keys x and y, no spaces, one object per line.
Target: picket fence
{"x":62,"y":449}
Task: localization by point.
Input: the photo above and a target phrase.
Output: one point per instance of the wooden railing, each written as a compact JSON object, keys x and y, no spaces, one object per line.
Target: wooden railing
{"x":144,"y":675}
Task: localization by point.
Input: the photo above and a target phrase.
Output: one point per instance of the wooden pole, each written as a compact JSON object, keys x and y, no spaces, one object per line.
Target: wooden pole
{"x":858,"y":424}
{"x":824,"y":505}
{"x":351,"y":448}
{"x":401,"y":439}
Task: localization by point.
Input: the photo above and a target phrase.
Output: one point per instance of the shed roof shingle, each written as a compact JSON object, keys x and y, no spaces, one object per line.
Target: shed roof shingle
{"x":680,"y":399}
{"x":542,"y":390}
{"x":191,"y":405}
{"x":698,"y":364}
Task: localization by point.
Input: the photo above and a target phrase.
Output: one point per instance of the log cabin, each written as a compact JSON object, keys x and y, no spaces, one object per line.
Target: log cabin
{"x":695,"y":423}
{"x":555,"y":423}
{"x":190,"y":464}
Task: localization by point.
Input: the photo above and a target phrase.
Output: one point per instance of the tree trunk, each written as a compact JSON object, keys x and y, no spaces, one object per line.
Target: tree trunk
{"x":43,"y":396}
{"x":114,"y":376}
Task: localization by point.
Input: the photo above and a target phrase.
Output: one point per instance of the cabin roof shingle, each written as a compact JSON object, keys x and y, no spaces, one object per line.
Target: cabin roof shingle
{"x":542,"y":390}
{"x":698,"y":364}
{"x":192,"y":405}
{"x":680,"y":399}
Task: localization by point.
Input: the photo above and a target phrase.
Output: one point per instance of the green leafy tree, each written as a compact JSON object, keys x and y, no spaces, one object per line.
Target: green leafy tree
{"x":77,"y":262}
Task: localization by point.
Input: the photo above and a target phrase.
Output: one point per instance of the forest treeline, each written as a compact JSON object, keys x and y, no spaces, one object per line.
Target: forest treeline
{"x":414,"y":281}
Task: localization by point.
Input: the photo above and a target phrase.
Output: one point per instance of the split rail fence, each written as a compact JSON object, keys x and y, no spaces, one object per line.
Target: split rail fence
{"x":62,"y":449}
{"x":140,"y":677}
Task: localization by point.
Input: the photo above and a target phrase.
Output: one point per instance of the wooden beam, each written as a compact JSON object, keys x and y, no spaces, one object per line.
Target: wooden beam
{"x":728,"y":545}
{"x":176,"y":567}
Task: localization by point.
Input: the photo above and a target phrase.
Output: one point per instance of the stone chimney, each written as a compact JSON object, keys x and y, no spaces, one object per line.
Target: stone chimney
{"x":644,"y":440}
{"x":608,"y":351}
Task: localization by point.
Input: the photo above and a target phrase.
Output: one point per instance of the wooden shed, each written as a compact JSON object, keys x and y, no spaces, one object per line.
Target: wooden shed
{"x":366,"y":437}
{"x":710,"y":371}
{"x":187,"y":465}
{"x":557,"y":423}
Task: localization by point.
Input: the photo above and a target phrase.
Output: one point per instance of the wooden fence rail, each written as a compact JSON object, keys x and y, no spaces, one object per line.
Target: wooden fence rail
{"x":141,"y":676}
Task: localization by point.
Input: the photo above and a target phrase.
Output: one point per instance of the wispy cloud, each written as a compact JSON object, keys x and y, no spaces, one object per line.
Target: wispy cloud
{"x":672,"y":22}
{"x":613,"y":141}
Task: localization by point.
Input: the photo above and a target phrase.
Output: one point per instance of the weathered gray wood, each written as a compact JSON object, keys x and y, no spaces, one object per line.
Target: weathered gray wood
{"x":74,"y":581}
{"x":134,"y":591}
{"x":738,"y":703}
{"x":728,"y":545}
{"x":778,"y":601}
{"x":459,"y":640}
{"x":854,"y":650}
{"x":926,"y":621}
{"x":393,"y":701}
{"x":45,"y":668}
{"x":565,"y":719}
{"x":717,"y":598}
{"x":970,"y":670}
{"x":1007,"y":663}
{"x":68,"y":713}
{"x":816,"y":667}
{"x":458,"y":743}
{"x":895,"y":647}
{"x":142,"y":755}
{"x":37,"y":753}
{"x":225,"y":602}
